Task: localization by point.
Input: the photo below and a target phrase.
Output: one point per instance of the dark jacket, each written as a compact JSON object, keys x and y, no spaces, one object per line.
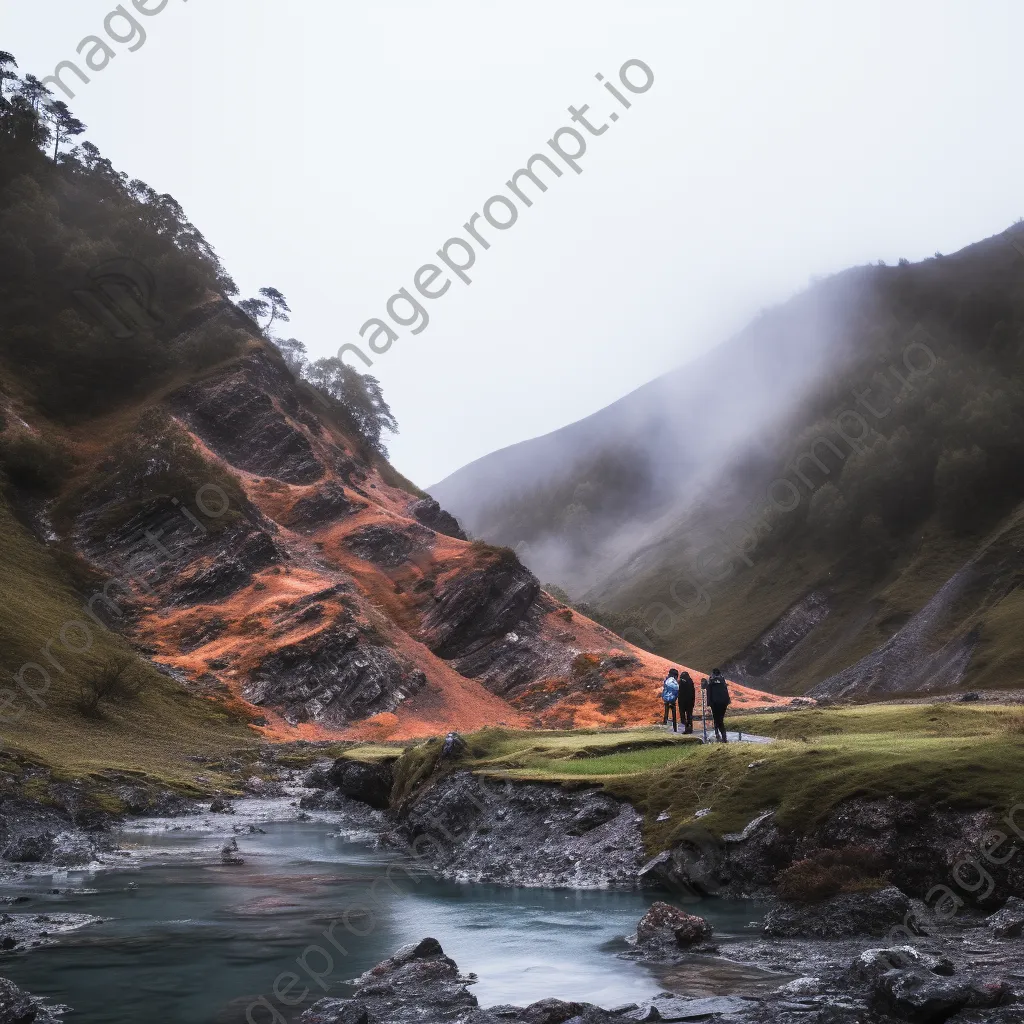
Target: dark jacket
{"x":718,"y":691}
{"x":687,"y":692}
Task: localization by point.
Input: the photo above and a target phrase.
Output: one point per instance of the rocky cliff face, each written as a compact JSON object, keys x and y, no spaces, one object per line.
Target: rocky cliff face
{"x":253,"y":549}
{"x":524,"y":834}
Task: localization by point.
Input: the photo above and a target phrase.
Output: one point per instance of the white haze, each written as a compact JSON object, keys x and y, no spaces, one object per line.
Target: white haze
{"x":330,"y":148}
{"x":690,"y":428}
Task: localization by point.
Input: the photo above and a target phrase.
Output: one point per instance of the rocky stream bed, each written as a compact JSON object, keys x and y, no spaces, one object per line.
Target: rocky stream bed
{"x":929,"y":945}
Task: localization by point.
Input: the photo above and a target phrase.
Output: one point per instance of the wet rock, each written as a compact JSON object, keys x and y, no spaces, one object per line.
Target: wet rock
{"x":72,"y":849}
{"x":318,"y":777}
{"x":591,"y":817}
{"x":665,"y":923}
{"x":800,"y":987}
{"x":335,"y":1011}
{"x":229,"y":853}
{"x":873,"y":963}
{"x":18,"y":1007}
{"x":220,"y":805}
{"x":475,"y":829}
{"x":695,"y":866}
{"x":922,"y":997}
{"x":996,"y":1015}
{"x":323,"y":800}
{"x":673,"y":1008}
{"x":1008,"y":923}
{"x":552,"y":1011}
{"x":842,"y":916}
{"x":29,"y":931}
{"x":265,"y":788}
{"x":369,"y":782}
{"x":32,"y":848}
{"x":418,"y":983}
{"x":388,"y":546}
{"x":430,"y":514}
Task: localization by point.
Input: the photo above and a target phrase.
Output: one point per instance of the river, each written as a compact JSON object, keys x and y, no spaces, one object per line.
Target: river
{"x":187,"y":939}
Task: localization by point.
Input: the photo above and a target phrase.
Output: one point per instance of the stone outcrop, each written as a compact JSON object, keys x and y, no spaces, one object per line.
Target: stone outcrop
{"x":386,"y":545}
{"x":430,"y":514}
{"x":524,"y":834}
{"x":334,"y":676}
{"x":18,"y":1007}
{"x":1008,"y":923}
{"x":369,"y":782}
{"x":327,"y":504}
{"x":248,"y":414}
{"x":840,"y":917}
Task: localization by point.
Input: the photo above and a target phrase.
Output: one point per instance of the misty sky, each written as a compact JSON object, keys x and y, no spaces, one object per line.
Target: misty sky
{"x":330,"y":148}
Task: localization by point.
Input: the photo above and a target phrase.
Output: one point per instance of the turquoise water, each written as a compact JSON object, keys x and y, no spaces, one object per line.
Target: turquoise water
{"x":185,"y":939}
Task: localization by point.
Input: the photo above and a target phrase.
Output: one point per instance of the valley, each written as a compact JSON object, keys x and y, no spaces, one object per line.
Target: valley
{"x":286,"y":738}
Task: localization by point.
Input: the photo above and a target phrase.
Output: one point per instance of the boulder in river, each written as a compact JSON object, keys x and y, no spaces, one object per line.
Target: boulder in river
{"x":229,"y":853}
{"x":665,"y":923}
{"x":420,"y":984}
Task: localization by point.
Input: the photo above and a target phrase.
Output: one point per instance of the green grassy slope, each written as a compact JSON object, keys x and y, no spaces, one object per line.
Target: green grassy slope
{"x":158,"y":733}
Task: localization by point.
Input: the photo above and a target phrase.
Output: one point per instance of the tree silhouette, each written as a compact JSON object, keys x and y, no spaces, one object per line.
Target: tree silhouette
{"x":65,"y":125}
{"x":294,"y":354}
{"x":7,"y":62}
{"x":271,"y":303}
{"x":279,"y":308}
{"x":360,"y":396}
{"x":254,"y":308}
{"x":33,"y":91}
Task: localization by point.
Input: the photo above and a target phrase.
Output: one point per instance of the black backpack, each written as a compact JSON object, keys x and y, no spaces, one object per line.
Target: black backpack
{"x":718,"y":692}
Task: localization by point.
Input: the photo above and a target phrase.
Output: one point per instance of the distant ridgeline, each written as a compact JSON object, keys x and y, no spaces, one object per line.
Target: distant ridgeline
{"x":822,"y":477}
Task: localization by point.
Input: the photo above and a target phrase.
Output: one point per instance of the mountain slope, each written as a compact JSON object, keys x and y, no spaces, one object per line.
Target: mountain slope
{"x":573,"y":499}
{"x":201,"y":549}
{"x":866,"y":540}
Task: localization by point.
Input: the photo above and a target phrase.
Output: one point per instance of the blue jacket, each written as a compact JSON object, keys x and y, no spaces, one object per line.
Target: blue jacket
{"x":669,"y":690}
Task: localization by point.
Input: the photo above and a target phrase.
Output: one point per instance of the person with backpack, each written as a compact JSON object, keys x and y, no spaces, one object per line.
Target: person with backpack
{"x":687,"y":698}
{"x":718,"y":700}
{"x":669,"y":692}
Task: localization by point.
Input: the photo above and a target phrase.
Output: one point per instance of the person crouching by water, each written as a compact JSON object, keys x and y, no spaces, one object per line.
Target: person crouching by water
{"x":687,"y":698}
{"x":669,"y":692}
{"x":718,"y":701}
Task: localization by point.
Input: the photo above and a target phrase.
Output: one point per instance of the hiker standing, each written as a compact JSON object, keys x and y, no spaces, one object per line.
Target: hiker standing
{"x":669,"y":692}
{"x":718,"y":700}
{"x":687,"y":698}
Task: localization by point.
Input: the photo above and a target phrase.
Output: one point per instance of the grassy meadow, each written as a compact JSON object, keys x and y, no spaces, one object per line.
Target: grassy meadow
{"x":956,"y":755}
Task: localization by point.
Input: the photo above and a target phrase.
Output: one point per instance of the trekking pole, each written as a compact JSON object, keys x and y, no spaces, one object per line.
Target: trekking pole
{"x":703,"y":714}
